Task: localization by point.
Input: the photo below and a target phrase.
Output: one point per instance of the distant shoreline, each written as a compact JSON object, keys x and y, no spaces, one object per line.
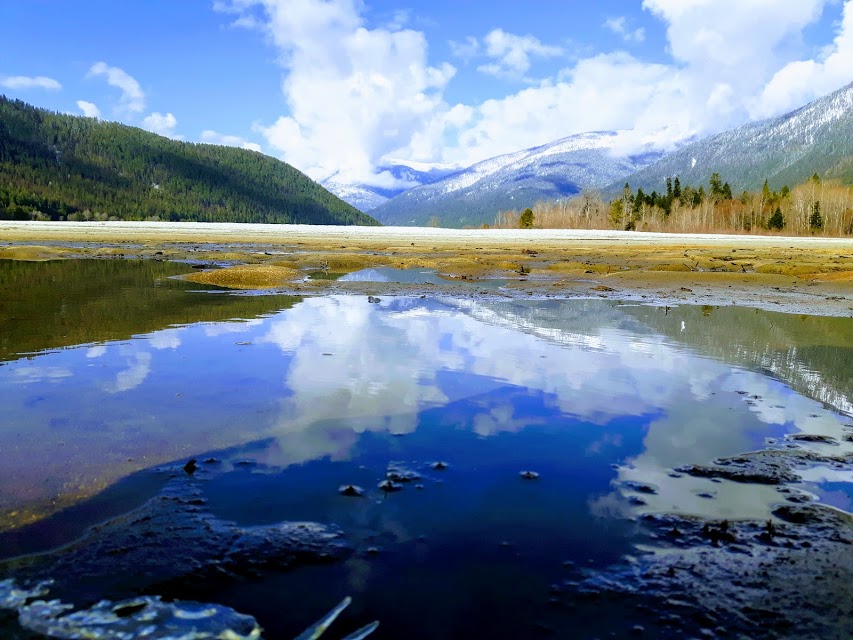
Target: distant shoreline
{"x":204,"y":231}
{"x":808,"y":275}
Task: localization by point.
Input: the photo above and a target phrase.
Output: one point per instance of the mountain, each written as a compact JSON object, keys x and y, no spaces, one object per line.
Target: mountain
{"x":816,"y":138}
{"x":408,"y":175}
{"x":515,"y":181}
{"x":67,"y":166}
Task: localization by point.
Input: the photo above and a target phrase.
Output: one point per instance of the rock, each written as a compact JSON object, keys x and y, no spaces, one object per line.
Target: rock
{"x":401,"y":474}
{"x":812,"y":437}
{"x":389,"y":487}
{"x":639,"y":487}
{"x":373,"y":299}
{"x":351,"y":491}
{"x":439,"y":466}
{"x":191,"y":467}
{"x":529,"y":475}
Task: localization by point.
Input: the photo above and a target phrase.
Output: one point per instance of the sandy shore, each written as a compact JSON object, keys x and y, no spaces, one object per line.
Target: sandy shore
{"x":797,"y":275}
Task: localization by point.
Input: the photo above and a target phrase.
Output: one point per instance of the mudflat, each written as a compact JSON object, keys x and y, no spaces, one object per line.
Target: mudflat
{"x":811,"y":275}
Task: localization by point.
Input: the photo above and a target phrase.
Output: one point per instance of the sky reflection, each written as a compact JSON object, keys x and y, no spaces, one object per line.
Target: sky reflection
{"x":317,"y":377}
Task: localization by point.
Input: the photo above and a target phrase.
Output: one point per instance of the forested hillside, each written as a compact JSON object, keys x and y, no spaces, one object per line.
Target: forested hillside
{"x":60,"y":166}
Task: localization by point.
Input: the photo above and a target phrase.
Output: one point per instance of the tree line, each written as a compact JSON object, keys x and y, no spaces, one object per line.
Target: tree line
{"x":815,"y":207}
{"x":60,"y":167}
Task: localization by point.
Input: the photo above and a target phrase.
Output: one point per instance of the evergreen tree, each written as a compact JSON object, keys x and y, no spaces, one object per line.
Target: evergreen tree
{"x":816,"y":220}
{"x":776,"y":221}
{"x":716,"y":183}
{"x":526,"y":219}
{"x":727,"y":191}
{"x":669,"y":189}
{"x":676,"y":189}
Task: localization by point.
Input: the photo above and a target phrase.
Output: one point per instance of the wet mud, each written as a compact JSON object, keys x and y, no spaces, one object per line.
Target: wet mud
{"x":722,"y":579}
{"x":773,"y":466}
{"x":169,"y":546}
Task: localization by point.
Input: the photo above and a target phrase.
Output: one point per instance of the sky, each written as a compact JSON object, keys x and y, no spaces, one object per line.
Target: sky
{"x":340,"y":88}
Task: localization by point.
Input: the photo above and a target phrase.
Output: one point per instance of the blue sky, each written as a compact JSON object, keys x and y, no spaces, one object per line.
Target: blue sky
{"x":339,"y":87}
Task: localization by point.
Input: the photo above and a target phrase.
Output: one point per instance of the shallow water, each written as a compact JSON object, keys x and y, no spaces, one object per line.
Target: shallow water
{"x":112,"y":368}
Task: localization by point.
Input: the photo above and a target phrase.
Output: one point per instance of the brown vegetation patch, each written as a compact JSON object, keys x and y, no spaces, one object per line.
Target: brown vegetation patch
{"x":31,"y":253}
{"x":246,"y":276}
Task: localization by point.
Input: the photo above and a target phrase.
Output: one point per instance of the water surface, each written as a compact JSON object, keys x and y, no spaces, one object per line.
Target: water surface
{"x":112,"y":368}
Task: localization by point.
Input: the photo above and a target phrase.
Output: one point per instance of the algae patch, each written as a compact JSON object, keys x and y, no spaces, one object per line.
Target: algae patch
{"x":247,"y":276}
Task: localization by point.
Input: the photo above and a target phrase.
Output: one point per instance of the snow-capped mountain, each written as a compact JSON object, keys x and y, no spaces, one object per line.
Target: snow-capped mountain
{"x":408,"y":175}
{"x":816,"y":138}
{"x":517,"y":180}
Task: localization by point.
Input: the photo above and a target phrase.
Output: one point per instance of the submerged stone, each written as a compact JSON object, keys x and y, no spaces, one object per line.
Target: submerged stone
{"x":529,"y":475}
{"x":351,"y":490}
{"x":401,"y":474}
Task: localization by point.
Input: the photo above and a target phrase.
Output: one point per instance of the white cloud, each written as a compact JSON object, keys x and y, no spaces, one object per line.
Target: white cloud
{"x":89,"y":109}
{"x":355,"y":94}
{"x":804,"y":80}
{"x":619,"y":26}
{"x":22,"y":83}
{"x":214,"y":137}
{"x":162,"y":124}
{"x":511,"y":53}
{"x":132,"y":96}
{"x":465,"y":50}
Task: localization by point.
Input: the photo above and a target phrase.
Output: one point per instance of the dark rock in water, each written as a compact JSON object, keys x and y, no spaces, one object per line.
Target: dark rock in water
{"x":389,"y":486}
{"x":772,"y":466}
{"x":814,"y":514}
{"x":812,"y":437}
{"x":373,"y":299}
{"x":529,"y":475}
{"x":639,"y":487}
{"x":400,"y":474}
{"x":636,"y":501}
{"x":439,"y":466}
{"x":173,"y":540}
{"x":351,"y":491}
{"x":191,"y":467}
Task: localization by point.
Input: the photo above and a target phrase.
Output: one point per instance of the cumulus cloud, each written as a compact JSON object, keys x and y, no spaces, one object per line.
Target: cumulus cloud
{"x":89,"y":109}
{"x":214,"y":137}
{"x":22,"y":83}
{"x":511,"y":53}
{"x":800,"y":81}
{"x":132,"y":97}
{"x":354,"y":94}
{"x":619,"y":26}
{"x":162,"y":124}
